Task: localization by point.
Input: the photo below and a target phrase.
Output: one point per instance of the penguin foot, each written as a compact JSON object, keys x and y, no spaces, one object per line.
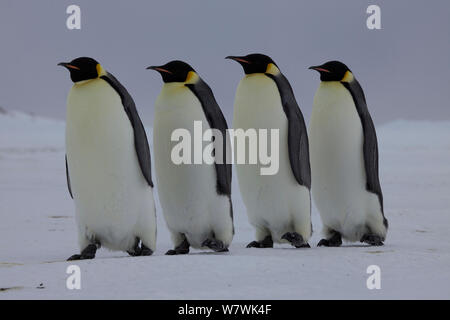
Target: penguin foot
{"x":145,"y":251}
{"x":266,"y":243}
{"x":87,"y":253}
{"x":334,"y":241}
{"x":141,"y":250}
{"x":372,"y":240}
{"x":183,"y":248}
{"x":295,"y":239}
{"x":215,"y":245}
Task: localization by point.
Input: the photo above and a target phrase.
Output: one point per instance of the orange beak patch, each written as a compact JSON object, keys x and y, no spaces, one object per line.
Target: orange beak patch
{"x":71,"y":67}
{"x":163,"y":70}
{"x":321,"y":69}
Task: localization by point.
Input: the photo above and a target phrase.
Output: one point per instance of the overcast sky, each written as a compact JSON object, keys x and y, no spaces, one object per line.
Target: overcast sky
{"x":404,"y":68}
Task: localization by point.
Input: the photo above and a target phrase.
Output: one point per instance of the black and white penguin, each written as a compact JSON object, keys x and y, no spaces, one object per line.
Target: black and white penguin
{"x":107,"y":164}
{"x":196,"y":198}
{"x":344,"y":160}
{"x":279,"y":205}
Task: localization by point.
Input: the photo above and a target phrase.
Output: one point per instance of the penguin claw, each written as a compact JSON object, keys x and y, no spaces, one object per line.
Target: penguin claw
{"x":266,"y":243}
{"x":334,"y":241}
{"x":295,"y":239}
{"x":329,"y":243}
{"x":87,"y":253}
{"x":146,"y":251}
{"x":134,"y":253}
{"x":215,"y":245}
{"x":372,"y":240}
{"x":173,"y":252}
{"x":254,"y":244}
{"x":74,"y":257}
{"x":182,"y":248}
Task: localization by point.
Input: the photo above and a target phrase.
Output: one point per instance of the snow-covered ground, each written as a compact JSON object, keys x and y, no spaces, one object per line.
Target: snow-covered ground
{"x":37,"y":233}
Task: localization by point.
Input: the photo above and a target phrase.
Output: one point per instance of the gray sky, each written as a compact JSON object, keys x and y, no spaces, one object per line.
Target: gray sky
{"x":404,"y":68}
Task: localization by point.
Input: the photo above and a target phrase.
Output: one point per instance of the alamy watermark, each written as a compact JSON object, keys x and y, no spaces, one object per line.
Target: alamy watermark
{"x":373,"y":22}
{"x":74,"y":19}
{"x":73,"y":281}
{"x":249,"y":146}
{"x":374,"y":280}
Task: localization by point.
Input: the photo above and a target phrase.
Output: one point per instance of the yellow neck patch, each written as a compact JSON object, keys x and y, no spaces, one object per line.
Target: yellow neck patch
{"x":100,"y":70}
{"x":272,"y":69}
{"x":348,"y":77}
{"x":192,"y":77}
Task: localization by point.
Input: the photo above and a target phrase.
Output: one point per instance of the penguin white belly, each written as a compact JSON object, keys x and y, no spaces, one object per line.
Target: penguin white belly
{"x":187,"y":192}
{"x":275,"y":204}
{"x":337,"y":163}
{"x":114,"y":204}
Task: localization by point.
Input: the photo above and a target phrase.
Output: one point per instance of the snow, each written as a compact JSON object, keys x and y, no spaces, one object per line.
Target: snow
{"x":37,"y":233}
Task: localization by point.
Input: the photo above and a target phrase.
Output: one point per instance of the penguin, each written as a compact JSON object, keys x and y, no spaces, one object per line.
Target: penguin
{"x":195,"y":198}
{"x":107,"y":164}
{"x":344,"y":156}
{"x":278,"y":206}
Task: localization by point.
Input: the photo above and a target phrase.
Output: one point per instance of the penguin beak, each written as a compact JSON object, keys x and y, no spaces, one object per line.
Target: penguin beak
{"x":241,"y":60}
{"x":68,"y":65}
{"x":319,"y":69}
{"x":159,"y":69}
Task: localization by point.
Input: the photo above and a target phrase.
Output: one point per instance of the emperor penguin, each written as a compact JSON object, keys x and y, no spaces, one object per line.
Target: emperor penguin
{"x":344,"y":156}
{"x":107,"y":164}
{"x":278,"y":206}
{"x":195,"y":198}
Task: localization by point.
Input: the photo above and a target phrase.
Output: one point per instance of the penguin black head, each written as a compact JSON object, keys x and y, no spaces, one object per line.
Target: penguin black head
{"x":83,"y":68}
{"x":174,"y":71}
{"x":333,"y":71}
{"x":256,"y":63}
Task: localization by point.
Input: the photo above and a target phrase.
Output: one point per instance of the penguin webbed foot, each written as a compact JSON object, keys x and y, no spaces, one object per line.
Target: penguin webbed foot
{"x":214,"y":244}
{"x":141,"y":250}
{"x":334,"y":241}
{"x":372,"y":240}
{"x":266,"y":243}
{"x":296,"y":240}
{"x":183,"y":248}
{"x":87,"y":253}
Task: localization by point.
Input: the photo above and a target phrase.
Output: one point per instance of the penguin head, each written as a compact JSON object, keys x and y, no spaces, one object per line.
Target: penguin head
{"x":175,"y":71}
{"x":83,"y":68}
{"x":256,"y":63}
{"x":334,"y":71}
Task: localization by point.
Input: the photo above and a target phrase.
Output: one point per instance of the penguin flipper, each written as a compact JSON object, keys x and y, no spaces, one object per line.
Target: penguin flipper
{"x":297,"y":133}
{"x":370,"y":147}
{"x":68,"y":179}
{"x":140,"y":137}
{"x":216,"y":120}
